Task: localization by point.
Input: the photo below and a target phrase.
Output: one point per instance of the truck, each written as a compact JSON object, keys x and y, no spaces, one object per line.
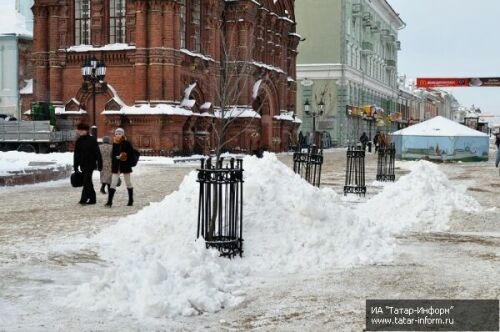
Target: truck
{"x":36,"y":136}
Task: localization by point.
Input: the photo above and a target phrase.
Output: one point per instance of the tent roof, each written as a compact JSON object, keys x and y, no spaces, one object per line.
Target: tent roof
{"x":439,"y":126}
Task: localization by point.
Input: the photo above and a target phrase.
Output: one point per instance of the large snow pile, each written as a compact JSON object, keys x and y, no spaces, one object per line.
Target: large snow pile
{"x":13,"y":161}
{"x":426,"y":194}
{"x":157,"y":270}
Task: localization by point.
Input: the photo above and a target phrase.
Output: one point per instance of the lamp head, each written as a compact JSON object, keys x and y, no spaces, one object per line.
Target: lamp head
{"x":307,"y":106}
{"x":321,"y":107}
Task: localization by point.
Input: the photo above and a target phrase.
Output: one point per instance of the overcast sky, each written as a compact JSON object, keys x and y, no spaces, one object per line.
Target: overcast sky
{"x":452,"y":38}
{"x":448,"y":38}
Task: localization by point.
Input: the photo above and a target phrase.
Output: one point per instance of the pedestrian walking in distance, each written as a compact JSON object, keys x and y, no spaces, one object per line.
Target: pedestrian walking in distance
{"x":364,"y":140}
{"x":120,"y":164}
{"x":106,"y":148}
{"x":87,"y":158}
{"x":497,"y":142}
{"x":376,"y":140}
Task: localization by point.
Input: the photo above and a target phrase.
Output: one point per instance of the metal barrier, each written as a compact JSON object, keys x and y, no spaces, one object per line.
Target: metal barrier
{"x":220,"y":209}
{"x":308,"y":164}
{"x":355,"y":171}
{"x":386,"y":163}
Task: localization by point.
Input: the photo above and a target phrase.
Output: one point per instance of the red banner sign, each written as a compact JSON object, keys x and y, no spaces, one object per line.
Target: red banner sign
{"x":458,"y":82}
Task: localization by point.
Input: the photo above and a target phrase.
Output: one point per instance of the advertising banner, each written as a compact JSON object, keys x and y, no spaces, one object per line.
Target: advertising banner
{"x":458,"y":82}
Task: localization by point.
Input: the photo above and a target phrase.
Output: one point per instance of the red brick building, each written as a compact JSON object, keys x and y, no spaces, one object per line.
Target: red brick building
{"x":164,"y":62}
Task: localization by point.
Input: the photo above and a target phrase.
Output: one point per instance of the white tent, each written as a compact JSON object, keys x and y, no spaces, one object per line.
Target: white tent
{"x":441,"y":139}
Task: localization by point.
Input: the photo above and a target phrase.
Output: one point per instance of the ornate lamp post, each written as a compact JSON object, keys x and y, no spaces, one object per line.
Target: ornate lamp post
{"x":314,"y":113}
{"x":93,"y":72}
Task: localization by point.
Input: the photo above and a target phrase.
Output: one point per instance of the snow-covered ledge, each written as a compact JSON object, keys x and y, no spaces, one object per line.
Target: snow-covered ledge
{"x":108,"y":47}
{"x":143,"y":109}
{"x":287,"y":116}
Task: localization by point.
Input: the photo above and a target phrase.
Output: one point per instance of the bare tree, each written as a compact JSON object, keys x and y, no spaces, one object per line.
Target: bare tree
{"x":233,"y":82}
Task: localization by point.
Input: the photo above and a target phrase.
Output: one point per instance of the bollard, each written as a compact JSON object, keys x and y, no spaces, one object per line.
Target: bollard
{"x":308,"y":164}
{"x":386,"y":163}
{"x":220,"y":205}
{"x":355,"y":171}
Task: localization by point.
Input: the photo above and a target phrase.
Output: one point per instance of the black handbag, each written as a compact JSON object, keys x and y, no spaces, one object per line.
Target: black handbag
{"x":77,"y":179}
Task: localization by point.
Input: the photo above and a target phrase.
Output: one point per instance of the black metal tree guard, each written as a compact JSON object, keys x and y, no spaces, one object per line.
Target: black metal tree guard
{"x":220,"y":209}
{"x":308,"y":164}
{"x":386,"y":162}
{"x":355,"y":171}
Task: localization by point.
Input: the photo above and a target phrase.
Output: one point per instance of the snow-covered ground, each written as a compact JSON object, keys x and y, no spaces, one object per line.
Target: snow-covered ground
{"x":146,"y":271}
{"x":13,"y":161}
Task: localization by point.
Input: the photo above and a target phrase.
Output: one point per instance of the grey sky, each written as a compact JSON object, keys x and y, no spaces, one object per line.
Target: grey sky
{"x":7,"y":3}
{"x":448,"y":38}
{"x":452,"y":38}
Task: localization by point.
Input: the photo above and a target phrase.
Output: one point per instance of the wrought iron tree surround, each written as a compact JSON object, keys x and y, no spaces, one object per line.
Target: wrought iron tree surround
{"x":386,"y":162}
{"x":308,"y":165}
{"x":355,"y":171}
{"x":220,"y":209}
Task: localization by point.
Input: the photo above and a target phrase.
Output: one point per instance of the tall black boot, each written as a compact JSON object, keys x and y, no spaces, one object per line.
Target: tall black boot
{"x":130,"y":196}
{"x":103,"y":188}
{"x":111,"y":193}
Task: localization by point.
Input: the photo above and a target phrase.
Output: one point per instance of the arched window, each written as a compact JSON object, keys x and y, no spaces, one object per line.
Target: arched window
{"x":117,"y":11}
{"x":82,"y":22}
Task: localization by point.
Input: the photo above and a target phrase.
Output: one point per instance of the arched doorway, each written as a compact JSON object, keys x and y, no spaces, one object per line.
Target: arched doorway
{"x":266,"y":105}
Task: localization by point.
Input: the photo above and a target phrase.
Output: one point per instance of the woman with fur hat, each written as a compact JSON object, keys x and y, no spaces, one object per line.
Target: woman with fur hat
{"x":120,"y":164}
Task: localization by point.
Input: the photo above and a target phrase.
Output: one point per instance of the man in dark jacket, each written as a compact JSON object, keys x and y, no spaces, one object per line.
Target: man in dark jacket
{"x":87,"y":157}
{"x":364,"y":140}
{"x":376,"y":140}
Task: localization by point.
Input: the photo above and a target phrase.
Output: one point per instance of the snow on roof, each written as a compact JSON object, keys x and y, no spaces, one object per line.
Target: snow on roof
{"x":206,"y":105}
{"x":439,"y":126}
{"x":28,"y":89}
{"x":198,"y":55}
{"x":189,"y":103}
{"x":204,"y":114}
{"x":149,"y":109}
{"x":13,"y":23}
{"x":238,"y":112}
{"x":108,"y":47}
{"x":269,"y":67}
{"x":256,"y":87}
{"x":62,"y":110}
{"x":115,"y":96}
{"x":285,"y":116}
{"x":186,"y":102}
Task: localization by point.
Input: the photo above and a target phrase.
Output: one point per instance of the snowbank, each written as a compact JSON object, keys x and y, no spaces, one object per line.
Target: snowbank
{"x":426,"y":194}
{"x":158,"y":270}
{"x":13,"y":161}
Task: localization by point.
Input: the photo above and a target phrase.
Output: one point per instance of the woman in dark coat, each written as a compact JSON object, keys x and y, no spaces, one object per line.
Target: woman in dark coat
{"x":120,"y":164}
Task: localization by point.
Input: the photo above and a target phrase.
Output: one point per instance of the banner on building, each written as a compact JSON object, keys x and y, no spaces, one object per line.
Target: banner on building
{"x":458,"y":82}
{"x":366,"y":111}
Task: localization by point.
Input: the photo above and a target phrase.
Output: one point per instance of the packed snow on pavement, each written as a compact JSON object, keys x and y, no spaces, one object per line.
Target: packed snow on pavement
{"x":149,"y":267}
{"x":157,"y":270}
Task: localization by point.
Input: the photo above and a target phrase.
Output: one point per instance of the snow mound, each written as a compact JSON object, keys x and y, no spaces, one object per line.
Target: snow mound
{"x":426,"y":194}
{"x":14,"y":161}
{"x":157,"y":270}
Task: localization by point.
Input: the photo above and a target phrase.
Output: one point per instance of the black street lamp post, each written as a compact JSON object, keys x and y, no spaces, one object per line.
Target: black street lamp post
{"x":314,"y":113}
{"x":93,"y":72}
